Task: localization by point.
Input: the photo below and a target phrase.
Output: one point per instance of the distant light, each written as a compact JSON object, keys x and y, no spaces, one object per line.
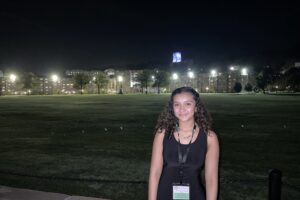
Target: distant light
{"x":175,"y":76}
{"x":213,"y":73}
{"x":232,"y":68}
{"x":12,"y":78}
{"x":153,"y":77}
{"x":94,"y":78}
{"x":176,"y":57}
{"x":207,"y":88}
{"x":120,"y":78}
{"x":191,"y":74}
{"x":244,"y":72}
{"x":54,"y":78}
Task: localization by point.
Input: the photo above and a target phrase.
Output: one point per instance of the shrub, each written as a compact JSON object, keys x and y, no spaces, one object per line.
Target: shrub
{"x":237,"y":87}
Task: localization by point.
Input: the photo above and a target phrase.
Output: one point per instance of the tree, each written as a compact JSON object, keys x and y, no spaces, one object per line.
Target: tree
{"x":29,"y":81}
{"x":144,"y":77}
{"x":264,"y":78}
{"x":80,"y":81}
{"x":248,"y":87}
{"x":161,"y":80}
{"x":237,"y":87}
{"x":101,"y":81}
{"x":292,"y":77}
{"x":1,"y":85}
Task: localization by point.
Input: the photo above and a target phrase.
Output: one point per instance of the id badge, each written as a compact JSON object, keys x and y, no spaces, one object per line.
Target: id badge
{"x":181,"y":191}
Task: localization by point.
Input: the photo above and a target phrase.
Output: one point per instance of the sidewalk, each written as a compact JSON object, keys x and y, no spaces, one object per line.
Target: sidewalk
{"x":9,"y":193}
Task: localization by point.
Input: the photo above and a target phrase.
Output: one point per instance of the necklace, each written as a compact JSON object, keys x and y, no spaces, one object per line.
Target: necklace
{"x":185,"y":137}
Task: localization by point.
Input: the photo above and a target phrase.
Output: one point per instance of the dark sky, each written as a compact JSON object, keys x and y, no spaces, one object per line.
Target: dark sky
{"x":45,"y":35}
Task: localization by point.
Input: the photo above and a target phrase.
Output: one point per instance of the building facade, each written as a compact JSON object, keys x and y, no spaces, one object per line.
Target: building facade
{"x":126,"y":81}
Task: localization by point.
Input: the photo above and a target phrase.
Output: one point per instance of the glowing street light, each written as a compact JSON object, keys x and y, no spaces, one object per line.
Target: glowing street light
{"x":232,"y":68}
{"x":191,"y":74}
{"x":12,"y":78}
{"x":206,"y":88}
{"x":213,"y":73}
{"x":244,"y":72}
{"x":120,"y":80}
{"x":54,"y":78}
{"x":175,"y":76}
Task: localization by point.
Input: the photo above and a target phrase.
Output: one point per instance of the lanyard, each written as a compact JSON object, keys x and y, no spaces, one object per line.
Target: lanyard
{"x":182,"y":158}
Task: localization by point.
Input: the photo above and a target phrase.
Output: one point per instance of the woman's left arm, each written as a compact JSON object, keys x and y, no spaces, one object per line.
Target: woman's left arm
{"x":212,"y":166}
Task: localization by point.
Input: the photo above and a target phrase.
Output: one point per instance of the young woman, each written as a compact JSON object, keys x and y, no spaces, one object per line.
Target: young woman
{"x":183,"y":145}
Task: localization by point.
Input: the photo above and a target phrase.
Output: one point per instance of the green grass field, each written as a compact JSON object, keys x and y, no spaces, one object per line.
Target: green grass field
{"x":101,"y":145}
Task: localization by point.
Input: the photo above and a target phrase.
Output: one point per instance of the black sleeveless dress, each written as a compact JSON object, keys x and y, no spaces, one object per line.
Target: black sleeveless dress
{"x":191,"y":170}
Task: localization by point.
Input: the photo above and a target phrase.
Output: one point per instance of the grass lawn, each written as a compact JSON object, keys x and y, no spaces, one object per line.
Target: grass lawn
{"x":101,"y":145}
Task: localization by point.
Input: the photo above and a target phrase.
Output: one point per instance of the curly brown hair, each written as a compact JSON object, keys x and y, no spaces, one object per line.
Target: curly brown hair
{"x":167,"y":120}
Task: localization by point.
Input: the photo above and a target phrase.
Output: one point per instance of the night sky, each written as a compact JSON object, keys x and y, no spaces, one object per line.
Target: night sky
{"x":40,"y":37}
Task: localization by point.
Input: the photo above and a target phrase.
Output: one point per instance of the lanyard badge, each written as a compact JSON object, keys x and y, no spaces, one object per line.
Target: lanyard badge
{"x":181,"y":191}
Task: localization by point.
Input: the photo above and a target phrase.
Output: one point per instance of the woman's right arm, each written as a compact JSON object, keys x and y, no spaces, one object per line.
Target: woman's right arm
{"x":156,"y":165}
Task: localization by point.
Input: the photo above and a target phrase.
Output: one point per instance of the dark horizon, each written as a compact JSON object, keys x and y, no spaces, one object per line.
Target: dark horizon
{"x":46,"y":36}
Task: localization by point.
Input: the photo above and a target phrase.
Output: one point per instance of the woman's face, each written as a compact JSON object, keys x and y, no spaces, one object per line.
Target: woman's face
{"x":184,"y":106}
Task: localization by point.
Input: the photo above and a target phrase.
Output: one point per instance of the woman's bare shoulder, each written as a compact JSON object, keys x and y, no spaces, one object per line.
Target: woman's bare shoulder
{"x":160,"y":133}
{"x":211,"y":133}
{"x":212,"y":137}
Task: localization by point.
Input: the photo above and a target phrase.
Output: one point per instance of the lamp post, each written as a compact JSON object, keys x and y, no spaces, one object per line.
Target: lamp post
{"x":191,"y":76}
{"x":206,"y":88}
{"x":244,"y":75}
{"x":230,"y":78}
{"x":157,"y":79}
{"x":213,"y":73}
{"x":120,"y":80}
{"x":153,"y":79}
{"x":54,"y":79}
{"x":12,"y":79}
{"x":175,"y":77}
{"x":213,"y":76}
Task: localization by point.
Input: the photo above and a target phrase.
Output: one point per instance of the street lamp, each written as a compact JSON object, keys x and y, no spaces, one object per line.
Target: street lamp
{"x":120,"y":80}
{"x":232,"y":68}
{"x":213,"y":80}
{"x":12,"y":78}
{"x":244,"y":76}
{"x":213,"y":73}
{"x":191,"y":74}
{"x":244,"y":72}
{"x":175,"y":76}
{"x":54,"y":79}
{"x":206,"y":88}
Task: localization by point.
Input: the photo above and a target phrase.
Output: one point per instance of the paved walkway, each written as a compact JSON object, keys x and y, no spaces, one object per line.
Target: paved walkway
{"x":9,"y":193}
